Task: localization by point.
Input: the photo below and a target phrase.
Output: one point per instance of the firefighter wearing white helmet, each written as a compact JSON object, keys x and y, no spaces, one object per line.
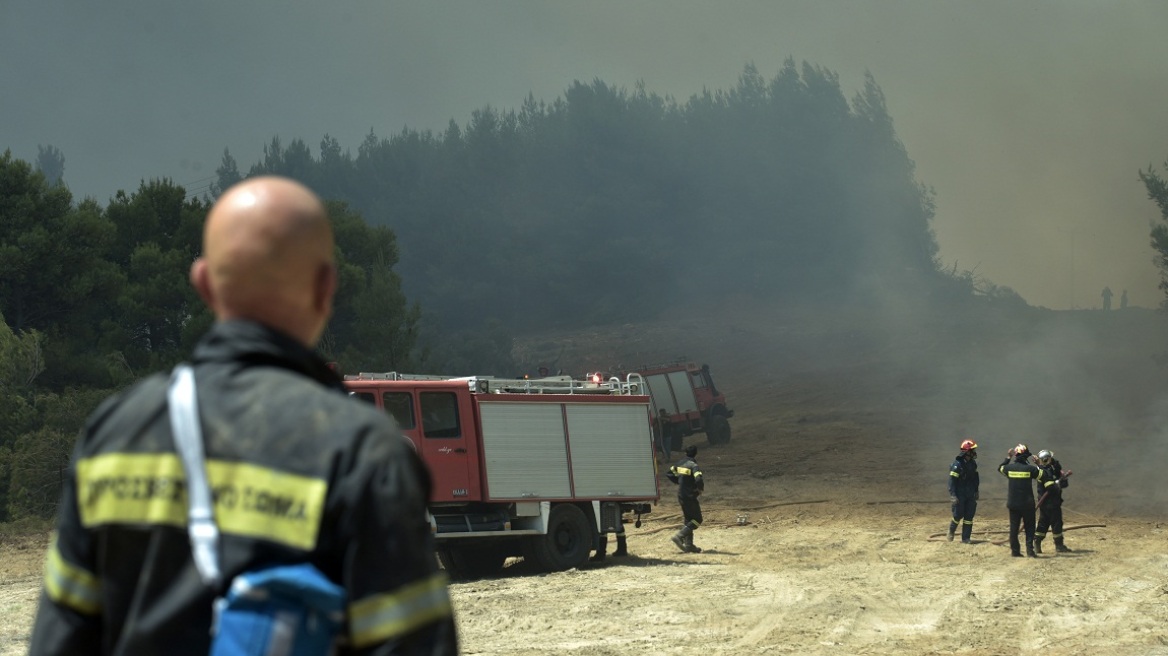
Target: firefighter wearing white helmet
{"x":1020,"y":495}
{"x":1050,"y":502}
{"x":963,"y":484}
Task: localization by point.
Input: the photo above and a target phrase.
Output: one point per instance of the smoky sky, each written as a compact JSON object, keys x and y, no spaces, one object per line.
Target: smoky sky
{"x":1030,"y":120}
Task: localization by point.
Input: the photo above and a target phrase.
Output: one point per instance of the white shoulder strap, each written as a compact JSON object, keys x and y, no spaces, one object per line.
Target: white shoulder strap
{"x":188,"y":438}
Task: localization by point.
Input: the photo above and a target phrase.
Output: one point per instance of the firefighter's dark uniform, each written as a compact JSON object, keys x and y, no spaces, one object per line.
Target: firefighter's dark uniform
{"x":1050,"y":510}
{"x":298,"y":471}
{"x":690,"y":484}
{"x":1020,"y":499}
{"x":963,"y":485}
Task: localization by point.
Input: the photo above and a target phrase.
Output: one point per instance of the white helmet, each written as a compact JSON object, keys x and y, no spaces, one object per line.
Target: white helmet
{"x":1045,"y":456}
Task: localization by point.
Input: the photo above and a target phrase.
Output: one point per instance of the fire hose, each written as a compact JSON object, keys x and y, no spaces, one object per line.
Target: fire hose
{"x":944,"y":536}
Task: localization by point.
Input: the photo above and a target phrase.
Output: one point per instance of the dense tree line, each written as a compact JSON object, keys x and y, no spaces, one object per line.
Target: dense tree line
{"x":609,"y":205}
{"x":93,"y":298}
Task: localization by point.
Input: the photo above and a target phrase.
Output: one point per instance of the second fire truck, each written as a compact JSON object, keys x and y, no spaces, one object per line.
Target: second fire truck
{"x":686,"y":391}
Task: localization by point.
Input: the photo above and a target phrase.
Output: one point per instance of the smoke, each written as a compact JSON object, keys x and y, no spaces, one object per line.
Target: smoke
{"x":1029,"y":119}
{"x":1087,"y":385}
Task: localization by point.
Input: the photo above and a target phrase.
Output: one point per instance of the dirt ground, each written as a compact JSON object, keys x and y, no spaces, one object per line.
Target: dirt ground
{"x":820,"y":510}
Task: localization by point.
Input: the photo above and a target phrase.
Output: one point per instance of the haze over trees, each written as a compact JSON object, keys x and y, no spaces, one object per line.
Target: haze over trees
{"x":51,"y":162}
{"x":602,"y":205}
{"x":1158,"y":193}
{"x":607,"y":204}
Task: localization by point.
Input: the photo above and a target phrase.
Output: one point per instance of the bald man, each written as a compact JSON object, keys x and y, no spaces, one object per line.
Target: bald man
{"x":300,"y":472}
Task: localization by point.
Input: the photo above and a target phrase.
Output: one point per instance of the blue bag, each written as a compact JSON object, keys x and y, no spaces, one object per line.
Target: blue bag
{"x":291,"y":610}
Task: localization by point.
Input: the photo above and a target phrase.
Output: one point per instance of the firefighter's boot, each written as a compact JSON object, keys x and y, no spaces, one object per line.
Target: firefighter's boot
{"x":690,"y":546}
{"x":1060,"y":547}
{"x":952,"y":530}
{"x":679,"y":538}
{"x":966,"y":533}
{"x":1030,"y":550}
{"x":1038,"y":543}
{"x":601,"y":547}
{"x":622,"y":546}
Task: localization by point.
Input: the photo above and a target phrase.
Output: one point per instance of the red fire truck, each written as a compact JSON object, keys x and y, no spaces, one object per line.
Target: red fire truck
{"x":686,"y":391}
{"x":533,"y":468}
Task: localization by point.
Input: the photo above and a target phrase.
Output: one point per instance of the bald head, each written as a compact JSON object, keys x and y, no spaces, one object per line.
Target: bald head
{"x":268,"y":257}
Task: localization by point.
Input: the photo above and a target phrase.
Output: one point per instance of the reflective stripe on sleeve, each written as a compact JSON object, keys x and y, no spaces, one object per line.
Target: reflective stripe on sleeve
{"x":955,"y":474}
{"x":392,"y":615}
{"x":69,"y":585}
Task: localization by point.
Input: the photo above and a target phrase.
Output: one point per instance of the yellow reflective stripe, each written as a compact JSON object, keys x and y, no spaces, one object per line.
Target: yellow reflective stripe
{"x":1018,"y":474}
{"x":955,"y":474}
{"x":266,"y":503}
{"x":697,"y":475}
{"x":1049,"y":483}
{"x":682,"y":471}
{"x":250,"y":500}
{"x":146,"y":488}
{"x":69,"y":585}
{"x":385,"y":616}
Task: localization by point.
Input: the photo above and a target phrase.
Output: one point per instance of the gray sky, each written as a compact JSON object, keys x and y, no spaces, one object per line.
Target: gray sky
{"x":1030,"y":119}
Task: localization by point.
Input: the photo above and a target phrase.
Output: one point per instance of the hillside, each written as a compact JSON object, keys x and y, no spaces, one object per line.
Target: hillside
{"x":885,"y":392}
{"x":846,"y":421}
{"x":819,"y":512}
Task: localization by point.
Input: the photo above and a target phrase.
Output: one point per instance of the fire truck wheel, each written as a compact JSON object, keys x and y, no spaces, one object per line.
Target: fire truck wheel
{"x":567,"y":543}
{"x":471,"y":562}
{"x":718,"y":430}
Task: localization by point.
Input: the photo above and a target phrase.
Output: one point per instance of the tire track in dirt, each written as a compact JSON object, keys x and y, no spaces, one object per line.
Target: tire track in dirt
{"x":18,"y":600}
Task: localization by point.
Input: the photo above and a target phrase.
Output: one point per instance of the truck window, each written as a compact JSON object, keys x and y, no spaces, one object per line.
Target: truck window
{"x":699,"y":381}
{"x":440,"y":415}
{"x":400,"y":406}
{"x":363,"y":396}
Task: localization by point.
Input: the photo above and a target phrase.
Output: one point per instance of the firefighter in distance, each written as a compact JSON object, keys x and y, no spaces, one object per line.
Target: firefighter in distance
{"x":1050,"y":504}
{"x":963,"y":484}
{"x":688,"y":477}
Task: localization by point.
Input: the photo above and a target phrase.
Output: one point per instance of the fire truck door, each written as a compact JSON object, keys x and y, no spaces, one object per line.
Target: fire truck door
{"x":446,"y":425}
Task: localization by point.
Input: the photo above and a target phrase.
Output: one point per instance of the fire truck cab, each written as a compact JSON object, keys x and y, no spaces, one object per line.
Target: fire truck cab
{"x":533,"y":468}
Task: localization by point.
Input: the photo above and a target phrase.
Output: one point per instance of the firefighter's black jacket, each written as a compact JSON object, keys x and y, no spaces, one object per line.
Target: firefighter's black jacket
{"x":1020,"y":493}
{"x":688,"y":477}
{"x":963,"y":478}
{"x":299,"y":471}
{"x":1054,"y":493}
